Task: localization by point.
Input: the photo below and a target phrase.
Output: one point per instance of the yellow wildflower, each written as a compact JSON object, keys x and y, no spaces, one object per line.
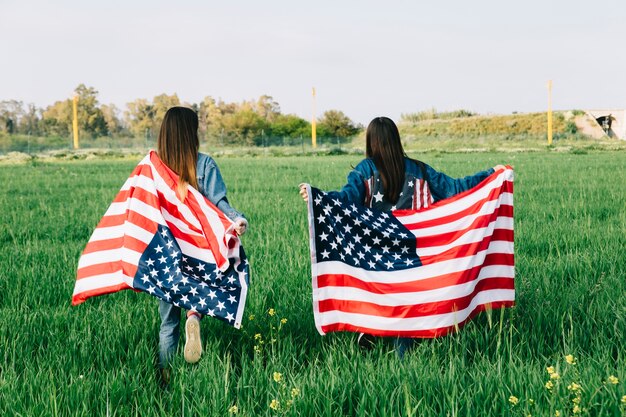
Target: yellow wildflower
{"x":623,"y":399}
{"x":271,"y":312}
{"x":550,"y":369}
{"x":275,"y":404}
{"x":283,"y":321}
{"x":513,"y":400}
{"x":295,"y":392}
{"x":531,"y":401}
{"x":576,"y":409}
{"x":251,"y":317}
{"x":574,"y":387}
{"x":233,"y":410}
{"x":555,"y":376}
{"x":257,"y":336}
{"x":613,"y":380}
{"x":570,"y":359}
{"x":557,"y":413}
{"x":549,"y":385}
{"x":576,"y":400}
{"x":278,"y":376}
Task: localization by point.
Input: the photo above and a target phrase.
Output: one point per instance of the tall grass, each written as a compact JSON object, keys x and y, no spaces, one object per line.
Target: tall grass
{"x":99,"y":358}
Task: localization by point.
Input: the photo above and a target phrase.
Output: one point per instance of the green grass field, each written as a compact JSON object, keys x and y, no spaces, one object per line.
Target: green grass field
{"x":99,"y":358}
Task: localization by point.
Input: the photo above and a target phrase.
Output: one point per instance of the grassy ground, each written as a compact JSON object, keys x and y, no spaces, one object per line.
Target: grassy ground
{"x":99,"y":358}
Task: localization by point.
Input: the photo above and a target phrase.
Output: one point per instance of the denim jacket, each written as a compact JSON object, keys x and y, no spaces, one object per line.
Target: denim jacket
{"x":422,"y":186}
{"x":211,"y":185}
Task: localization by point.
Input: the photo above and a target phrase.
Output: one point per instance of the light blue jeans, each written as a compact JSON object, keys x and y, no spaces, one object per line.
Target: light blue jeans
{"x":169,"y":332}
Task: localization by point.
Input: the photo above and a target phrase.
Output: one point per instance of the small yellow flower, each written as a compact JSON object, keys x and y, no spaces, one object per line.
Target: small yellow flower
{"x":555,"y":376}
{"x":295,"y":392}
{"x":257,"y":336}
{"x":275,"y":405}
{"x":623,"y":399}
{"x":233,"y":410}
{"x":251,"y":317}
{"x":513,"y":400}
{"x":613,"y":380}
{"x":576,"y":400}
{"x":574,"y":387}
{"x":531,"y":401}
{"x":550,"y":369}
{"x":257,"y":349}
{"x":278,"y":376}
{"x":271,"y":312}
{"x":549,"y":385}
{"x":283,"y":321}
{"x":570,"y":359}
{"x":576,"y":409}
{"x":557,"y":413}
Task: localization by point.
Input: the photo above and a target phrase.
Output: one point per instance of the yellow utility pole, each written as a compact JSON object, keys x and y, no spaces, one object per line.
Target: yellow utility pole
{"x":75,"y":121}
{"x":549,"y":112}
{"x":313,"y":126}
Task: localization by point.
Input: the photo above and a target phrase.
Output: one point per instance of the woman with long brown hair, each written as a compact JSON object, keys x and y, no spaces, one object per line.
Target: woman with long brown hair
{"x":177,"y":147}
{"x":387,"y":179}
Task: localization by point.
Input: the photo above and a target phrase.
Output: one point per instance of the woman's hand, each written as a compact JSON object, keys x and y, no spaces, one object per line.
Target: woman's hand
{"x":497,"y":167}
{"x":241,"y":225}
{"x":303,"y":193}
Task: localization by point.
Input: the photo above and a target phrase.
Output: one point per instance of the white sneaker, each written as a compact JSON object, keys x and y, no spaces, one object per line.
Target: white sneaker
{"x":193,"y":344}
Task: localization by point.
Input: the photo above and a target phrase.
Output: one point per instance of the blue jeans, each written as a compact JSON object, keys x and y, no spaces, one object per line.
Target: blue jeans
{"x":169,"y":332}
{"x":402,"y":344}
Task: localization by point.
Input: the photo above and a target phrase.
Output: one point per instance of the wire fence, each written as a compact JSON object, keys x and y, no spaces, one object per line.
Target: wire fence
{"x":39,"y":144}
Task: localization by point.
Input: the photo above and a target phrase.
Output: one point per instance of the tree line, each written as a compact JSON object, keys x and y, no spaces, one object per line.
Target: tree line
{"x":256,"y":122}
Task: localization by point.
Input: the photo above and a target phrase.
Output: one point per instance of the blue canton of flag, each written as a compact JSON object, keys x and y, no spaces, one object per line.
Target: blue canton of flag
{"x":189,"y":283}
{"x":360,"y":237}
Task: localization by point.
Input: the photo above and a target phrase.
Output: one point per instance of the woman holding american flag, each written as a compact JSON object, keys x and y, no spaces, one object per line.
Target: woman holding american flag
{"x":388,"y":180}
{"x":177,"y":147}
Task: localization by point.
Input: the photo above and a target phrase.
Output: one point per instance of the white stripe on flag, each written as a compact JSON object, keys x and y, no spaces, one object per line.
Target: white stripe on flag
{"x":105,"y":256}
{"x":433,"y":322}
{"x":418,"y":273}
{"x":126,"y":229}
{"x":101,"y":281}
{"x":418,"y":297}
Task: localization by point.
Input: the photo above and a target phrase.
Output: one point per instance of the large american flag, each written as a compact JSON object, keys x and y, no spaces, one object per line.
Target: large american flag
{"x":184,"y":252}
{"x":412,"y":273}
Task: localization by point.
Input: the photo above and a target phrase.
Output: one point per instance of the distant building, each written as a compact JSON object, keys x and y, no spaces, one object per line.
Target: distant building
{"x":612,"y":122}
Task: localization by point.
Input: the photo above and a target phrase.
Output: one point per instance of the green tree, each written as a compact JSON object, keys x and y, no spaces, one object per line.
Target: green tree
{"x":11,"y":111}
{"x":139,"y":118}
{"x":290,"y":126}
{"x":334,"y":123}
{"x":58,"y":117}
{"x":113,"y":123}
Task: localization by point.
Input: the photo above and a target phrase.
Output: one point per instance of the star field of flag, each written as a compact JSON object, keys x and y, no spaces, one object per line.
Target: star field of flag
{"x":189,"y":283}
{"x":360,"y":237}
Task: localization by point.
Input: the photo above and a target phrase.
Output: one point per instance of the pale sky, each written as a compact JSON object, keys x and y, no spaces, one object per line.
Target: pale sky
{"x":365,"y":58}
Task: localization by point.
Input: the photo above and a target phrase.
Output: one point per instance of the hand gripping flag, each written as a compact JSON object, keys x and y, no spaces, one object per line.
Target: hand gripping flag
{"x":412,"y":273}
{"x":183,"y":252}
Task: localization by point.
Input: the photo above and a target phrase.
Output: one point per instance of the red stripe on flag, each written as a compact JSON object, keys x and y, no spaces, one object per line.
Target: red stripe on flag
{"x":208,"y":230}
{"x":468,"y":249}
{"x":416,"y":310}
{"x":107,"y":268}
{"x":109,"y":244}
{"x":473,"y":209}
{"x":428,"y":284}
{"x":81,"y":297}
{"x":446,"y":238}
{"x":425,"y":334}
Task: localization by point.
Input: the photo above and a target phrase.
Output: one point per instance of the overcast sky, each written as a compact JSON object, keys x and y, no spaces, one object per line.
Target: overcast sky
{"x":365,"y":58}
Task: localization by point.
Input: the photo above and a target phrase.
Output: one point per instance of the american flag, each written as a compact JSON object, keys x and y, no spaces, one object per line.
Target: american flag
{"x":412,"y":273}
{"x":183,"y":252}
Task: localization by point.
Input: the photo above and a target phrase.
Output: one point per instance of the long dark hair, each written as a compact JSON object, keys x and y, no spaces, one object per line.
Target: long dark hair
{"x":178,"y":145}
{"x":383,"y":146}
